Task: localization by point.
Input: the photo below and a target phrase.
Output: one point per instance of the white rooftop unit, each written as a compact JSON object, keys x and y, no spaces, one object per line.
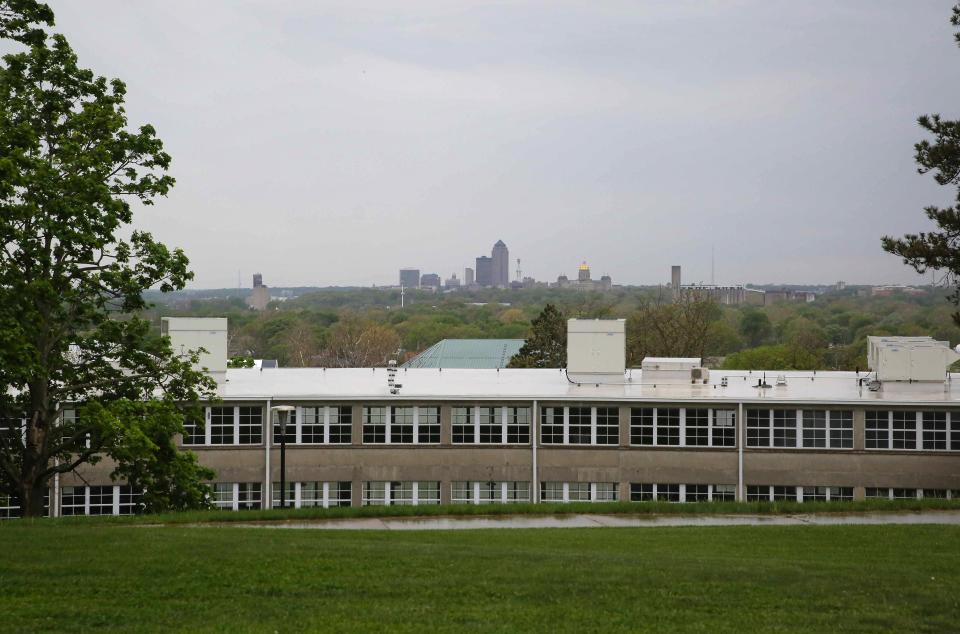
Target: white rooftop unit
{"x":596,"y":346}
{"x":669,"y":370}
{"x":191,"y":333}
{"x":909,"y":358}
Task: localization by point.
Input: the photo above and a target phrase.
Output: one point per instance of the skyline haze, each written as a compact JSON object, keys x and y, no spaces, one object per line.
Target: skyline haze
{"x":333,"y":144}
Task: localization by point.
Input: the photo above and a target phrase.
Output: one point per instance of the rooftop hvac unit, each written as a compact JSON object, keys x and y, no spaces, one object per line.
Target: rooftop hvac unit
{"x":909,"y":358}
{"x":596,"y":346}
{"x":674,"y":370}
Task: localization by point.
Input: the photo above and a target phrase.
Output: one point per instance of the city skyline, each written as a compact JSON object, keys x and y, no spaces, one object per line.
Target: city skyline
{"x":780,"y":134}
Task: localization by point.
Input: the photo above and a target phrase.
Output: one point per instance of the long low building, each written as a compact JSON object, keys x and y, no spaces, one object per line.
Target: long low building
{"x":592,"y":432}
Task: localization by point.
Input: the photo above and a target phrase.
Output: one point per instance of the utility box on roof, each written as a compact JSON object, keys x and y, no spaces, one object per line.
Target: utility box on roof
{"x":192,"y":333}
{"x":910,"y":358}
{"x":596,"y":346}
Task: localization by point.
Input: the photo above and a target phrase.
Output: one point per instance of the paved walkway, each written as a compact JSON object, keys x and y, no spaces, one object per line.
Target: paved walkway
{"x":599,"y":521}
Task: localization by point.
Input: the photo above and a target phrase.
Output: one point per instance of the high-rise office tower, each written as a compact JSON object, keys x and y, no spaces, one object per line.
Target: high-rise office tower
{"x":410,"y":278}
{"x":485,"y":271}
{"x":501,"y":265}
{"x":468,"y":276}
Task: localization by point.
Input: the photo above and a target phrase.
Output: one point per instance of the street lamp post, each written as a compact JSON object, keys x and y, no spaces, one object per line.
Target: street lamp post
{"x":283,"y":415}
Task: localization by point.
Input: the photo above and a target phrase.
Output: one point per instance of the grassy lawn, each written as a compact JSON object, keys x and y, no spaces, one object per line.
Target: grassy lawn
{"x":613,"y":508}
{"x":820,"y":578}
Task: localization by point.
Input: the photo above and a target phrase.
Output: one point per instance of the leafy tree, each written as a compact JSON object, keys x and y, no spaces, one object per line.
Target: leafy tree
{"x":755,"y":327}
{"x":71,"y":285}
{"x":679,"y":328}
{"x":356,"y":342}
{"x":240,"y":362}
{"x":546,"y":347}
{"x":939,"y":249}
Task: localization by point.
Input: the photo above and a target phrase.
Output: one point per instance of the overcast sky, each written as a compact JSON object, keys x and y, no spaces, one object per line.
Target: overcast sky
{"x":333,"y":143}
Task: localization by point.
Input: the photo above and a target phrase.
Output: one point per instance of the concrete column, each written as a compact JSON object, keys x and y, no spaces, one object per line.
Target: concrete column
{"x":859,"y":430}
{"x":446,"y":428}
{"x":356,"y":427}
{"x":445,"y":492}
{"x":624,"y":426}
{"x":356,"y":491}
{"x":859,"y":493}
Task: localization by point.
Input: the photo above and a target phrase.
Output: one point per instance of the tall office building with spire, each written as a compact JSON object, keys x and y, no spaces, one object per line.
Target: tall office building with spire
{"x":501,"y":265}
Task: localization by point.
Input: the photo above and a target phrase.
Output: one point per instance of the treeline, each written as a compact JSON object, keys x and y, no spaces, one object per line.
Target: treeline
{"x":830,"y":333}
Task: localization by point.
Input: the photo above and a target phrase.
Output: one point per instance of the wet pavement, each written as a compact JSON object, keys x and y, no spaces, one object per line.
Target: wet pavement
{"x":613,"y":521}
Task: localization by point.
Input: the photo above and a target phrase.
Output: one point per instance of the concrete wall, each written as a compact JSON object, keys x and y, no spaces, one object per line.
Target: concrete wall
{"x":621,"y":463}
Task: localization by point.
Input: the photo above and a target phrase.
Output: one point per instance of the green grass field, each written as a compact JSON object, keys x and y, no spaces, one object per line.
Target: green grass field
{"x":101,"y":575}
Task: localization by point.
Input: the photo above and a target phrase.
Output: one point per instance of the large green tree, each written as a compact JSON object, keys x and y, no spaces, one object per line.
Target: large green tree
{"x":939,"y":249}
{"x":546,"y":347}
{"x":71,"y":283}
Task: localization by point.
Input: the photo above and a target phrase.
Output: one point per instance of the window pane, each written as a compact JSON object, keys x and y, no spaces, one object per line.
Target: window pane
{"x":668,"y":426}
{"x":724,"y":428}
{"x":551,"y":425}
{"x":784,"y":428}
{"x":641,"y":426}
{"x":698,"y":427}
{"x":518,"y":425}
{"x":462,"y":420}
{"x":758,"y":428}
{"x":579,"y":426}
{"x":374,"y":425}
{"x":877,"y":429}
{"x":221,"y":425}
{"x":904,"y":430}
{"x":815,"y":428}
{"x":608,"y":425}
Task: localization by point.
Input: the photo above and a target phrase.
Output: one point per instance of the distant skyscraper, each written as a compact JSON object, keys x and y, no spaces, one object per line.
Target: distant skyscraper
{"x":501,"y":265}
{"x":410,"y":278}
{"x":257,"y":280}
{"x":485,"y":271}
{"x":429,"y":280}
{"x":468,"y":276}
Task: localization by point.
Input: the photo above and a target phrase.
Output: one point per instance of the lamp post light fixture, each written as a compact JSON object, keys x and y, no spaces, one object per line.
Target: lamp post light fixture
{"x":283,"y":416}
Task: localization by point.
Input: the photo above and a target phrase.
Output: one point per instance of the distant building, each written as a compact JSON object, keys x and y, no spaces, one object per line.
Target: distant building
{"x":467,"y":353}
{"x":410,"y":278}
{"x":501,"y":265}
{"x":584,"y":281}
{"x":430,"y":280}
{"x":485,"y":271}
{"x":260,"y":296}
{"x":733,"y":294}
{"x":452,"y":282}
{"x":886,"y":291}
{"x":468,"y":277}
{"x":583,"y":273}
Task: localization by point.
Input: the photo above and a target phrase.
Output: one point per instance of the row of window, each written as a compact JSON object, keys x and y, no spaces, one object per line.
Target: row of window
{"x":122,"y":500}
{"x":649,"y":492}
{"x":775,"y":493}
{"x":930,"y":431}
{"x":111,"y":499}
{"x":463,"y":492}
{"x":578,"y":492}
{"x":890,"y":493}
{"x":806,"y":429}
{"x":583,"y":425}
{"x":314,"y":494}
{"x":683,"y":427}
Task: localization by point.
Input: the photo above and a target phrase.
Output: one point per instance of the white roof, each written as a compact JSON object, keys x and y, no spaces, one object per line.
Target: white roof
{"x":430,"y":384}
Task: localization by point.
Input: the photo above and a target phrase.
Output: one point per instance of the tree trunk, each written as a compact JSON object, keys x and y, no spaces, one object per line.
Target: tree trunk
{"x":31,"y":498}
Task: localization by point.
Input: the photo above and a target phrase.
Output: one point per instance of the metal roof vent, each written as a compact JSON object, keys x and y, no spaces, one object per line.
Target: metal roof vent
{"x":781,"y":379}
{"x":392,"y":376}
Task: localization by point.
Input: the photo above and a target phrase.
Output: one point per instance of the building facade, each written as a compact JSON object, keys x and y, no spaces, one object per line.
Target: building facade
{"x":671,"y":431}
{"x":410,"y":278}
